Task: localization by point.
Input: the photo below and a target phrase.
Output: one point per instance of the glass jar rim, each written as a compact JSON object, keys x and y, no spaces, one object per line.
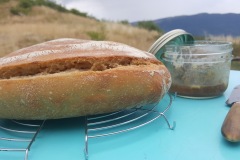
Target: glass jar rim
{"x":199,"y":51}
{"x":199,"y":43}
{"x":207,"y":48}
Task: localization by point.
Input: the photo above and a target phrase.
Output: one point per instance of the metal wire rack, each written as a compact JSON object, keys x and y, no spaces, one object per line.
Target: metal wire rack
{"x":19,"y":136}
{"x":123,"y":121}
{"x":21,"y":133}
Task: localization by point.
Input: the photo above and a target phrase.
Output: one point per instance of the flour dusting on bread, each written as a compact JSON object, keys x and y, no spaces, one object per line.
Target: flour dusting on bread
{"x":68,"y":46}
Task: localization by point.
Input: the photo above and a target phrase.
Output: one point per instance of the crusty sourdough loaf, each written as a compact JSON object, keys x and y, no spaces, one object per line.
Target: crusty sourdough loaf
{"x":71,"y":77}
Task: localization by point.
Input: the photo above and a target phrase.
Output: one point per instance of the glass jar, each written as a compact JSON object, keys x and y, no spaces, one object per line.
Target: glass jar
{"x":199,"y":69}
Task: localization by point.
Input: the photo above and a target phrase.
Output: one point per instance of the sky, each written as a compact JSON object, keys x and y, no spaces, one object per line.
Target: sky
{"x":139,"y":10}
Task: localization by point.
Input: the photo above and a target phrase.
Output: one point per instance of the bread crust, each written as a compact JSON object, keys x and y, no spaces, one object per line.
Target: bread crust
{"x":73,"y":92}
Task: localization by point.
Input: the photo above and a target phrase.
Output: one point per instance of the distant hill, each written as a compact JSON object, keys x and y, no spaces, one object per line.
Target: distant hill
{"x":28,"y":22}
{"x":203,"y":24}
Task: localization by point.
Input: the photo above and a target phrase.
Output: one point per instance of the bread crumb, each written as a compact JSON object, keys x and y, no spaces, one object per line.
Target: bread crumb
{"x":152,"y":73}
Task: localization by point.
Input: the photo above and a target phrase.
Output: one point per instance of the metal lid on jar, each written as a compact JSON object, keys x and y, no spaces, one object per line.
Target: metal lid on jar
{"x":177,"y":36}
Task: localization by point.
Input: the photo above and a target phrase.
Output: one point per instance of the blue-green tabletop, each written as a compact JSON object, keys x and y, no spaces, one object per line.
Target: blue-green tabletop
{"x":196,"y":136}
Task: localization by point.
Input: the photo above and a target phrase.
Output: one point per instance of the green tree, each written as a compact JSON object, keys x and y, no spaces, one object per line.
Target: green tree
{"x":149,"y":25}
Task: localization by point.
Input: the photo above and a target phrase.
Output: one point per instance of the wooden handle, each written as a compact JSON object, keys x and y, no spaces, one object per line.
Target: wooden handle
{"x":231,"y":125}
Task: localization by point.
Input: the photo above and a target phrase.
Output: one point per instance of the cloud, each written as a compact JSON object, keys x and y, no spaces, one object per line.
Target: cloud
{"x":91,"y":7}
{"x":135,"y":10}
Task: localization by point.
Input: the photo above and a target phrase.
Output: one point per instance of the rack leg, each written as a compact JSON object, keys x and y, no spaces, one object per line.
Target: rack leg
{"x":169,"y":126}
{"x":86,"y":140}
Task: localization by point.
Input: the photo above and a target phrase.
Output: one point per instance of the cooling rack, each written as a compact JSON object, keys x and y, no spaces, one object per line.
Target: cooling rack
{"x":18,"y":136}
{"x":124,"y":121}
{"x":21,"y":134}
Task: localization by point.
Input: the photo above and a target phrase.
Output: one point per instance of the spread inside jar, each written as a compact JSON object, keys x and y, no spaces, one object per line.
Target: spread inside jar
{"x":198,"y":91}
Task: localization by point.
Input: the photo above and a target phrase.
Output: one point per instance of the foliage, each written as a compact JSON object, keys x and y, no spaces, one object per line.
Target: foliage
{"x":236,"y":54}
{"x":77,"y":12}
{"x":235,"y":65}
{"x":15,"y":11}
{"x":124,"y":22}
{"x":98,"y":36}
{"x":25,"y":6}
{"x":149,"y":25}
{"x":52,"y":5}
{"x":3,"y":1}
{"x":236,"y":50}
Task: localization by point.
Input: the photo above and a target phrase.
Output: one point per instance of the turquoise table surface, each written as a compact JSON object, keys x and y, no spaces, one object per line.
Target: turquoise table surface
{"x":196,"y":136}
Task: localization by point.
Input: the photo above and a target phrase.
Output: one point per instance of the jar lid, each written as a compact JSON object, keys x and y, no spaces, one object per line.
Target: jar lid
{"x":177,"y":36}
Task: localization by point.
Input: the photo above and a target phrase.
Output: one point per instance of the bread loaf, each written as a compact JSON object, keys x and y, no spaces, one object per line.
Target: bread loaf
{"x":71,"y":77}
